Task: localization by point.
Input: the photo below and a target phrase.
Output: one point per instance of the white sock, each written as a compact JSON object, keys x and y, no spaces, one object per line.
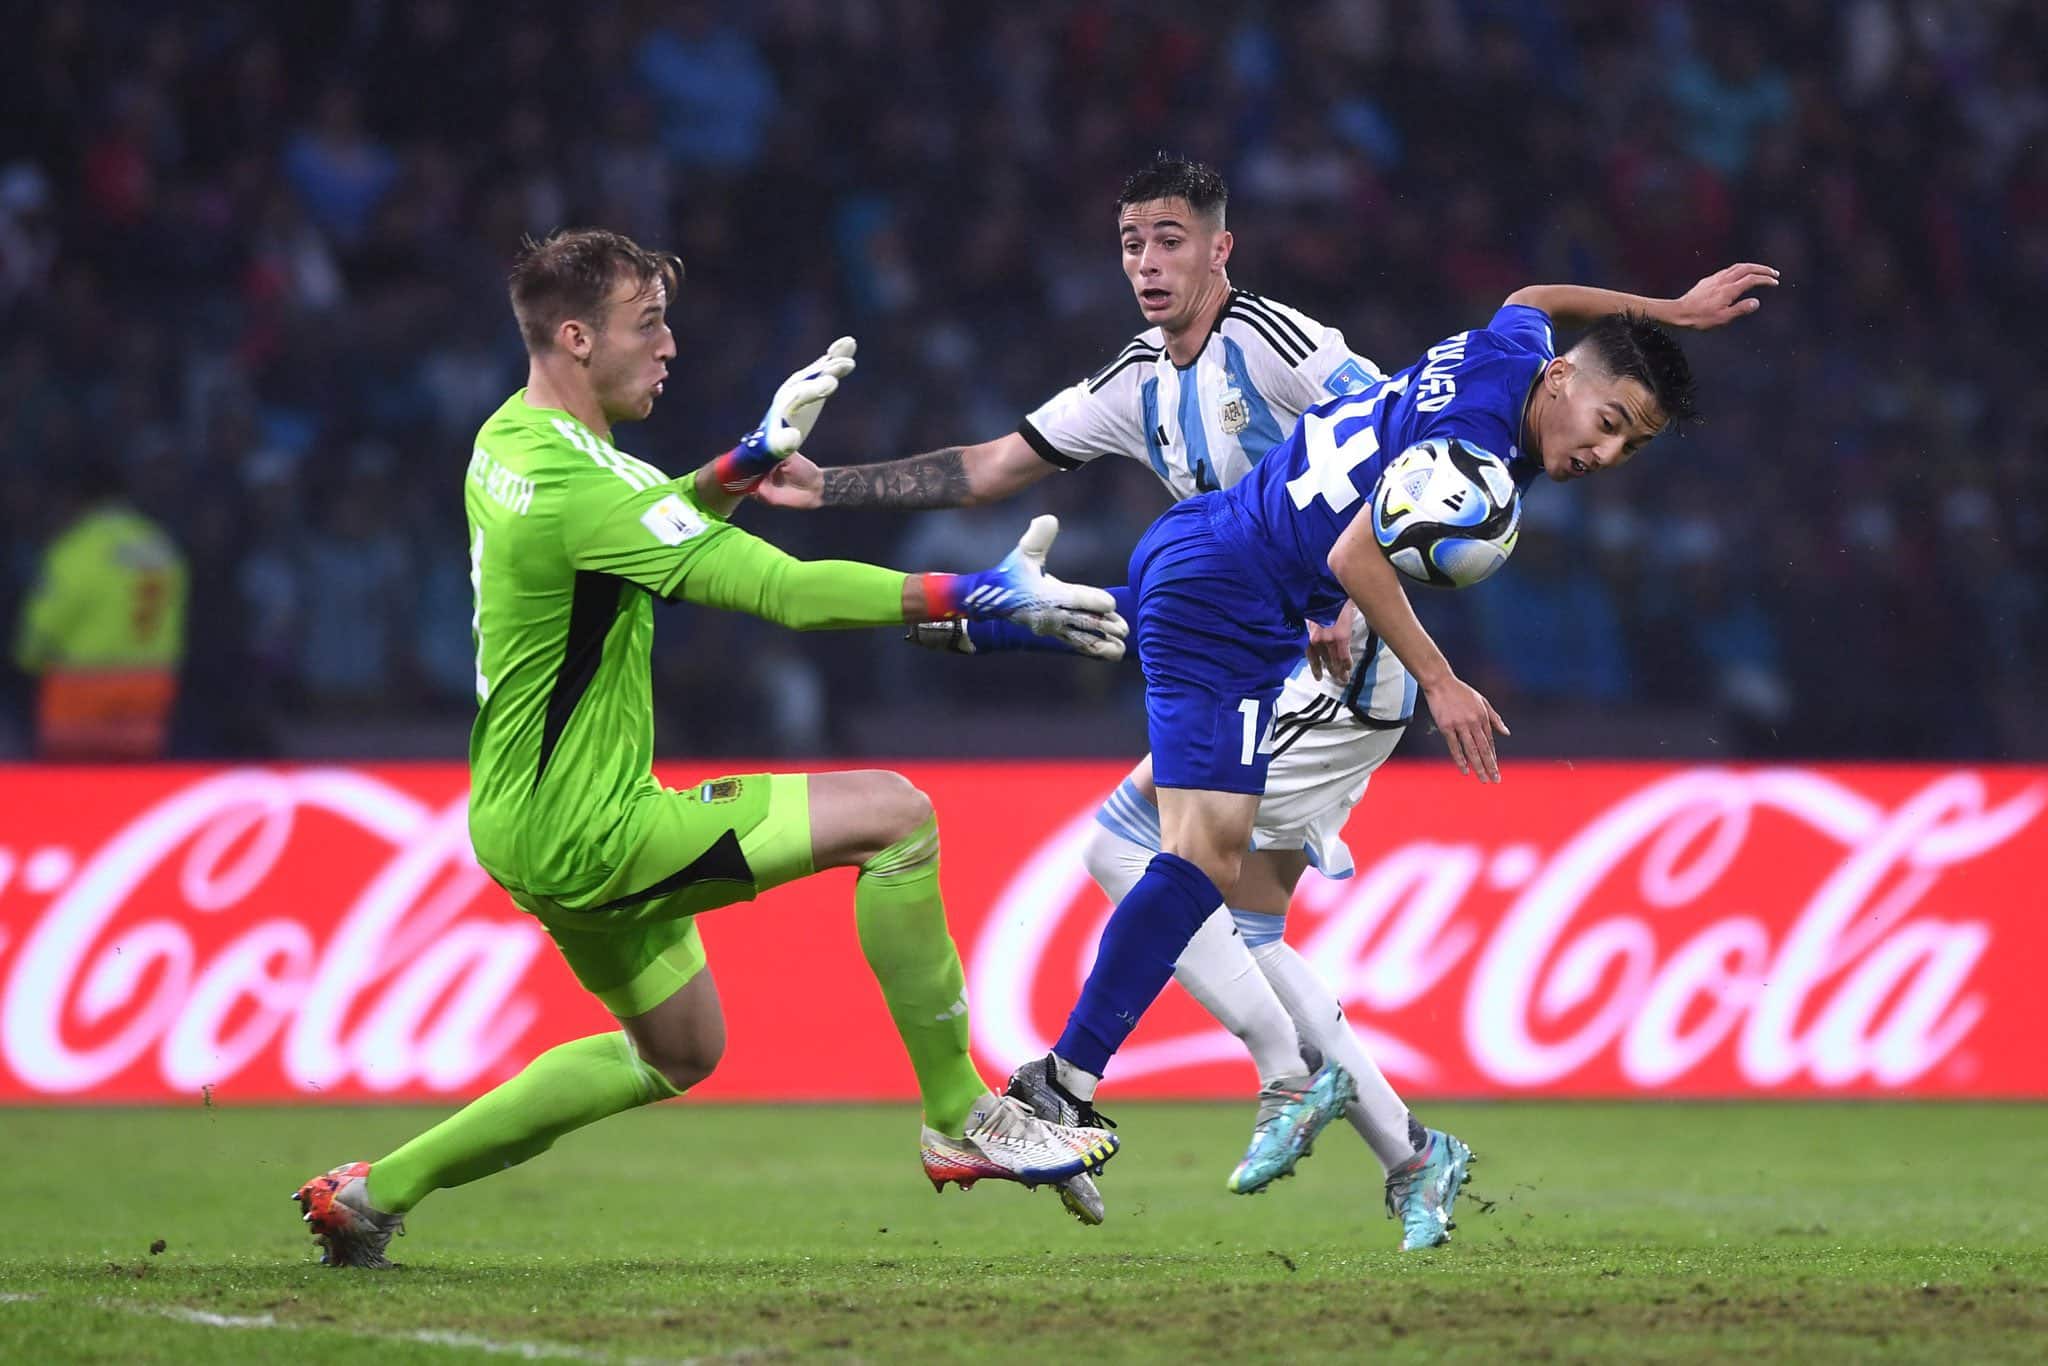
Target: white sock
{"x":1218,"y":971}
{"x":1216,"y":968}
{"x":1380,"y":1116}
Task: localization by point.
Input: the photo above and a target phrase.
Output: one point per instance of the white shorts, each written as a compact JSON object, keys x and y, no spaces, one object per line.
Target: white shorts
{"x":1326,"y":758}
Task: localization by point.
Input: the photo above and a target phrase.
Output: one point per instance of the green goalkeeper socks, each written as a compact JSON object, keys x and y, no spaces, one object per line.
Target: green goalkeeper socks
{"x":903,"y":933}
{"x":565,"y":1088}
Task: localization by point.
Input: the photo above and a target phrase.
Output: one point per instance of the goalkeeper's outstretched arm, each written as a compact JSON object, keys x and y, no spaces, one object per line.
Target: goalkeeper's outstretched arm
{"x":744,"y":573}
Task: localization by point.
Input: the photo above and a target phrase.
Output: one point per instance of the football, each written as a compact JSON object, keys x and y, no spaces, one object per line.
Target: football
{"x":1447,"y":513}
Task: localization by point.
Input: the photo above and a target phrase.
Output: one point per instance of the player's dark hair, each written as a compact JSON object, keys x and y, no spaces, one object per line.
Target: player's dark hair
{"x":1631,"y":346}
{"x":1171,"y":177}
{"x":570,"y":273}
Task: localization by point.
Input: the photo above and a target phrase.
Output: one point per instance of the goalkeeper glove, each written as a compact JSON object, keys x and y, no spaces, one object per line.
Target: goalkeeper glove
{"x":787,"y":424}
{"x":1020,"y":590}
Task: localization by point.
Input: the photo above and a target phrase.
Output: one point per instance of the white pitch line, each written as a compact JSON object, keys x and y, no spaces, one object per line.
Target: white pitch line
{"x":530,"y":1351}
{"x":427,"y":1337}
{"x":205,"y":1319}
{"x":16,"y":1297}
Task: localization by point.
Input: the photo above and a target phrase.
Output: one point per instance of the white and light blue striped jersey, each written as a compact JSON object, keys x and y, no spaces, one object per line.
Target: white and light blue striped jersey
{"x":1206,"y":425}
{"x":1203,"y":426}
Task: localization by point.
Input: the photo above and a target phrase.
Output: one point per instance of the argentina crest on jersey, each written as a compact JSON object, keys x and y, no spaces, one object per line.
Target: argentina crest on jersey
{"x":1233,"y":414}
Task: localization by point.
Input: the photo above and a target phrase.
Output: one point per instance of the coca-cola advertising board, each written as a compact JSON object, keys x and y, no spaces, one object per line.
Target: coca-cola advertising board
{"x":262,"y":934}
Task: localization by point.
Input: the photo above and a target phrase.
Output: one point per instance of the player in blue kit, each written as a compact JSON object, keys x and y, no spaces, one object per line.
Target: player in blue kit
{"x":1224,"y":582}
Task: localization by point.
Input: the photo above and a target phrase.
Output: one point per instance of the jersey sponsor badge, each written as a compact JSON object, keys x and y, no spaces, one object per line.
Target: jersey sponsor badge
{"x":719,"y":790}
{"x":672,"y":520}
{"x":1233,"y":413}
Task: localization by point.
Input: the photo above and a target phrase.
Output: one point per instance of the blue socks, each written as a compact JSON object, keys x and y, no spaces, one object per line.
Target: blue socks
{"x":1145,"y":936}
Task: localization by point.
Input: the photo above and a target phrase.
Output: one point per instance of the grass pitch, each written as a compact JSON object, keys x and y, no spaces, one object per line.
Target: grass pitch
{"x":1627,"y":1232}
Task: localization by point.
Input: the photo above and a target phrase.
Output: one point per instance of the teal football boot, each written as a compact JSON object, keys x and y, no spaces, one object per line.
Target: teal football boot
{"x":1292,"y":1111}
{"x":1422,"y":1191}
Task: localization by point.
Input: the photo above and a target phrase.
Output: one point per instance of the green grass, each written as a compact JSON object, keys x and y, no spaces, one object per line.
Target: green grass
{"x":1640,"y":1233}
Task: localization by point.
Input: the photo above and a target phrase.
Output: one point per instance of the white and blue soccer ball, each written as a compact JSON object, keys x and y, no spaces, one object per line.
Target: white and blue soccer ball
{"x":1447,"y":513}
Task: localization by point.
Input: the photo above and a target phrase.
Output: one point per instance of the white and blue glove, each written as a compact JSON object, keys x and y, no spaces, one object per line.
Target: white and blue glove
{"x":787,"y":423}
{"x":1020,"y":590}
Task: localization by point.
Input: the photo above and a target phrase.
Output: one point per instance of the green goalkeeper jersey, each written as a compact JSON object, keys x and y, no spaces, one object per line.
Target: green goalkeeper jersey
{"x":570,"y":541}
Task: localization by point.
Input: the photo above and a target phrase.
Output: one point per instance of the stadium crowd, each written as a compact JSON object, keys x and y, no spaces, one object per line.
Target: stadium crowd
{"x":252,"y":259}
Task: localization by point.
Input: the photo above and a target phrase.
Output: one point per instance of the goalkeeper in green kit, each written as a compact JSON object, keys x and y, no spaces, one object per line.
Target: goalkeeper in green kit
{"x":570,"y":541}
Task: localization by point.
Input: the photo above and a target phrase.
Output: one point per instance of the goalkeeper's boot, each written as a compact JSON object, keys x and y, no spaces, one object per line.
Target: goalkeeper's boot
{"x":1292,"y":1111}
{"x":1422,"y":1190}
{"x":1004,"y":1141}
{"x":349,"y":1229}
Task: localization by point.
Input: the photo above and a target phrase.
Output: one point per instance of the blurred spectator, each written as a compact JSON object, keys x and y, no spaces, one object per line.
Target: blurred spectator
{"x":103,"y":629}
{"x":1728,"y":96}
{"x":28,"y":236}
{"x":353,"y":646}
{"x":339,"y":173}
{"x":715,"y":92}
{"x":1551,"y":629}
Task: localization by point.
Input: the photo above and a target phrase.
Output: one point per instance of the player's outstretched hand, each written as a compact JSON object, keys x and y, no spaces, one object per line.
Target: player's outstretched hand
{"x":1089,"y":634}
{"x":1329,"y":647}
{"x":1081,"y":632}
{"x":1719,"y":299}
{"x":795,"y":482}
{"x":1020,"y":590}
{"x":787,"y":423}
{"x":947,"y":637}
{"x":1467,"y":722}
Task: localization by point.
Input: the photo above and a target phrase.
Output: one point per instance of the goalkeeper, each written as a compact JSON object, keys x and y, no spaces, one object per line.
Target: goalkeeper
{"x":570,"y":541}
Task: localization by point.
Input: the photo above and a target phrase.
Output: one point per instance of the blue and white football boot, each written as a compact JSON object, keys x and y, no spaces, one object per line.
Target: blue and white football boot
{"x":1292,"y":1111}
{"x":1422,"y":1190}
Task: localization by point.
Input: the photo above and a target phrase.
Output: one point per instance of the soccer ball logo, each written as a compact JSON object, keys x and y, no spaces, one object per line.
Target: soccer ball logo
{"x":1446,"y":513}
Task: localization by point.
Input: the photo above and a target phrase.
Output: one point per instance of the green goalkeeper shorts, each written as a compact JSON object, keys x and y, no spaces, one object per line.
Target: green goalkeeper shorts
{"x":633,"y":941}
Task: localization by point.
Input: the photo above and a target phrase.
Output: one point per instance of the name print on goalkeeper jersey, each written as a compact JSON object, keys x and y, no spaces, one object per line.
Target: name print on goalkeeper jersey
{"x":1474,"y":385}
{"x":1203,"y":426}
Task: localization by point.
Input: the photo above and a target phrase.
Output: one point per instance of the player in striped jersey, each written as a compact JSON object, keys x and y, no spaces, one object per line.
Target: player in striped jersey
{"x":1217,"y":379}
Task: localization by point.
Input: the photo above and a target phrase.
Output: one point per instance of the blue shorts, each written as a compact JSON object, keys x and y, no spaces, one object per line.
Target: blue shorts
{"x":1216,"y":644}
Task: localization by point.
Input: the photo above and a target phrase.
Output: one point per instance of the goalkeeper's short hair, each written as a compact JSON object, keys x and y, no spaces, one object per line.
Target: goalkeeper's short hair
{"x":569,"y":273}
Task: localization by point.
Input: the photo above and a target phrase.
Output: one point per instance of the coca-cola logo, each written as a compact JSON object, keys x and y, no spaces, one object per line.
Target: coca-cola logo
{"x":1775,"y":922}
{"x":189,"y":937}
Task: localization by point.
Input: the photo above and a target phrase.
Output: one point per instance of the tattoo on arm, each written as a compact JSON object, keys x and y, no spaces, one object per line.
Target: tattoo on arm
{"x":936,"y":479}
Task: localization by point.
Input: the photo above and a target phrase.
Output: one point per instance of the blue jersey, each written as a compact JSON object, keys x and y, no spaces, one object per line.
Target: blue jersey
{"x":1298,"y":500}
